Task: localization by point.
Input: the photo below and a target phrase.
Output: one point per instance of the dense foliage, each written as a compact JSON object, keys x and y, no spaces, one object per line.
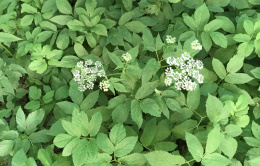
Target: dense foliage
{"x":129,"y":82}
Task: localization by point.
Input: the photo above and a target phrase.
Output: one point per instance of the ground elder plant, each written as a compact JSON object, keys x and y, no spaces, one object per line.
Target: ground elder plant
{"x":129,"y":83}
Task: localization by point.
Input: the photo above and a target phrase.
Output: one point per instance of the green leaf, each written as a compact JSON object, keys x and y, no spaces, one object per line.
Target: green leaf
{"x":228,"y":25}
{"x":67,"y":151}
{"x":150,"y":106}
{"x":80,"y":50}
{"x":5,"y":147}
{"x":145,"y":90}
{"x":233,"y":130}
{"x":201,"y":16}
{"x":62,"y":140}
{"x":242,"y":38}
{"x":76,"y":25}
{"x":206,"y":41}
{"x":38,"y":65}
{"x":63,"y":39}
{"x":64,"y":6}
{"x":27,"y":20}
{"x":20,"y":120}
{"x":80,"y":153}
{"x":95,"y":124}
{"x":229,"y":146}
{"x":214,"y":140}
{"x":256,"y":130}
{"x":135,"y":26}
{"x":33,"y":120}
{"x":165,"y":146}
{"x":126,"y":17}
{"x":136,"y":113}
{"x":99,"y":29}
{"x":215,"y":159}
{"x":214,"y":108}
{"x":44,"y":157}
{"x":163,"y":158}
{"x":125,"y":146}
{"x":149,"y":132}
{"x":213,"y":25}
{"x":173,"y":105}
{"x":256,"y":72}
{"x":136,"y":159}
{"x":6,"y":37}
{"x":193,"y":99}
{"x":150,"y":69}
{"x":19,"y":158}
{"x":34,"y":92}
{"x":90,"y":100}
{"x":219,"y":39}
{"x":117,"y":133}
{"x":194,"y":146}
{"x":41,"y":136}
{"x":189,"y":21}
{"x":74,"y":93}
{"x":67,"y":107}
{"x":252,"y":141}
{"x":148,"y":40}
{"x":48,"y":97}
{"x":249,"y":27}
{"x":238,"y":78}
{"x":61,"y":19}
{"x":241,"y":121}
{"x":28,"y":9}
{"x":120,"y":114}
{"x":104,"y":143}
{"x":219,"y":68}
{"x":48,"y":26}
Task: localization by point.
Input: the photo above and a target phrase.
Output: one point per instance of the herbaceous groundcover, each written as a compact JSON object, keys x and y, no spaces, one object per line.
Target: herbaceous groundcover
{"x":129,"y":82}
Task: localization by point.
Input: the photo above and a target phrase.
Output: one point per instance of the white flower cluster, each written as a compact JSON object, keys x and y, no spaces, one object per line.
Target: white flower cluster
{"x":189,"y":70}
{"x":127,"y":57}
{"x":170,"y":39}
{"x":195,"y":45}
{"x":104,"y":85}
{"x":87,"y":74}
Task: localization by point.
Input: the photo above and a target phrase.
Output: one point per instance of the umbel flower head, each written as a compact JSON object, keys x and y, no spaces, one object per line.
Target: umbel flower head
{"x":170,"y":39}
{"x":195,"y":45}
{"x":86,"y":74}
{"x":186,"y":73}
{"x":127,"y":57}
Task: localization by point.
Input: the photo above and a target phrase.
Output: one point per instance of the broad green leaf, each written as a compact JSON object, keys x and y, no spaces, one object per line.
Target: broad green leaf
{"x":76,"y":25}
{"x":241,"y":121}
{"x":5,"y":147}
{"x":213,"y":25}
{"x":44,"y":157}
{"x":256,"y":72}
{"x":194,"y":146}
{"x":20,"y":120}
{"x":150,"y":69}
{"x":33,"y":120}
{"x":70,"y":128}
{"x":149,"y":132}
{"x":34,"y":92}
{"x":229,"y":146}
{"x":48,"y":97}
{"x":6,"y":37}
{"x":150,"y":106}
{"x":74,"y":93}
{"x":38,"y":65}
{"x":228,"y":25}
{"x":28,"y":9}
{"x":99,"y":29}
{"x":219,"y":39}
{"x":61,"y":19}
{"x":64,"y":6}
{"x":148,"y":40}
{"x":135,"y":26}
{"x":214,"y":108}
{"x":188,"y":125}
{"x":192,"y":4}
{"x":114,"y":102}
{"x":163,"y":158}
{"x":120,"y":114}
{"x":238,"y":78}
{"x":249,"y":27}
{"x":63,"y":40}
{"x":48,"y":26}
{"x":125,"y":146}
{"x":95,"y":124}
{"x":206,"y":41}
{"x":201,"y":16}
{"x":67,"y":107}
{"x":214,"y":140}
{"x":80,"y":50}
{"x":252,"y":141}
{"x":62,"y":140}
{"x":193,"y":99}
{"x":215,"y":159}
{"x":127,"y":16}
{"x":27,"y":20}
{"x":104,"y":143}
{"x":19,"y":158}
{"x":136,"y":159}
{"x":145,"y":90}
{"x":136,"y":113}
{"x":219,"y":68}
{"x":90,"y":100}
{"x":173,"y":105}
{"x":256,"y":130}
{"x":67,"y":151}
{"x":254,"y":2}
{"x":41,"y":136}
{"x":165,"y":146}
{"x":242,"y":37}
{"x":233,"y":130}
{"x":117,"y":134}
{"x":189,"y":21}
{"x":80,"y":153}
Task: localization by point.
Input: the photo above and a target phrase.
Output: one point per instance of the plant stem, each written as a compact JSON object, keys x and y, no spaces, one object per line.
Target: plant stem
{"x":6,"y":50}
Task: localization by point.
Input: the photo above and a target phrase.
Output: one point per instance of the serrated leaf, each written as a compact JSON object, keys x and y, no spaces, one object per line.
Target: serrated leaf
{"x":194,"y":146}
{"x":62,"y":140}
{"x":238,"y":78}
{"x":104,"y":143}
{"x":90,"y":100}
{"x":219,"y":39}
{"x":229,"y":146}
{"x":136,"y":113}
{"x":219,"y":68}
{"x":125,"y":146}
{"x":150,"y":106}
{"x":201,"y":16}
{"x":80,"y":153}
{"x":117,"y":133}
{"x":215,"y":159}
{"x":149,"y":132}
{"x":44,"y":157}
{"x":64,"y":6}
{"x":214,"y":140}
{"x":163,"y":158}
{"x":5,"y":147}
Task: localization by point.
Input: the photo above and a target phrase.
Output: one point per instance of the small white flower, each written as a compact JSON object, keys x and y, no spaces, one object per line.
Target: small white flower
{"x":199,"y":64}
{"x":80,"y":64}
{"x":171,"y":61}
{"x":185,"y":56}
{"x":88,"y":62}
{"x":170,"y":39}
{"x":195,"y":45}
{"x":104,"y":85}
{"x":200,"y":79}
{"x":168,"y":81}
{"x":98,"y":63}
{"x":178,"y":85}
{"x":127,"y":57}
